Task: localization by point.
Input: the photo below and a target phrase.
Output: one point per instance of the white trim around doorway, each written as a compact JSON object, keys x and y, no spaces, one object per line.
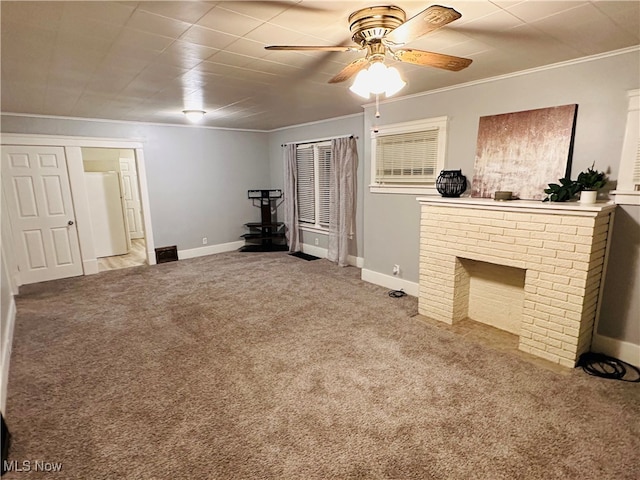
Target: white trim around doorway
{"x":73,"y":153}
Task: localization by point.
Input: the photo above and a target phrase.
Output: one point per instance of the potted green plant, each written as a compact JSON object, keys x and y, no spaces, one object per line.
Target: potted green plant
{"x":589,"y":182}
{"x":566,"y":190}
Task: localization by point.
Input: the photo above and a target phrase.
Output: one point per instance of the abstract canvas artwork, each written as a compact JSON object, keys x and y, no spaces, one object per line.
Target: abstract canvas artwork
{"x":523,"y":152}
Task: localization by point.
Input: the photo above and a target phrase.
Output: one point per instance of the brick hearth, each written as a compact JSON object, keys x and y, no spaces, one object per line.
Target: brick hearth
{"x":560,"y":247}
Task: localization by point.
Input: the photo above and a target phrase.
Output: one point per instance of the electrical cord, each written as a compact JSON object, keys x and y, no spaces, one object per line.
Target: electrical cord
{"x":601,"y":365}
{"x":397,"y":293}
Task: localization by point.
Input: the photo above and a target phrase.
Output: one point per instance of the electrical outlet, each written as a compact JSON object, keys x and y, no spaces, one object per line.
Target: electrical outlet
{"x":396,"y":269}
{"x":204,"y":240}
{"x":316,"y":241}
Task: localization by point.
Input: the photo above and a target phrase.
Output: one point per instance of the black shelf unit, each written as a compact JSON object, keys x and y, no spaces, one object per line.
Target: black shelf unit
{"x":268,"y":234}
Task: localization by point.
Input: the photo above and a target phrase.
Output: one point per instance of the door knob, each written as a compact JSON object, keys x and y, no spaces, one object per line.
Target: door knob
{"x":70,"y":222}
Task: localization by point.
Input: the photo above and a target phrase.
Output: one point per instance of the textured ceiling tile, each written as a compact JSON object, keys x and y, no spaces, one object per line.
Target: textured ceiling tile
{"x":61,"y":100}
{"x":244,"y":46}
{"x":324,"y":21}
{"x":27,"y":42}
{"x":586,"y":29}
{"x":73,"y":44}
{"x":532,"y":12}
{"x":275,"y":68}
{"x":135,"y":62}
{"x":229,"y":58}
{"x":73,"y":22}
{"x":159,"y":71}
{"x":125,"y":58}
{"x":189,"y":12}
{"x":142,"y":40}
{"x":207,"y":37}
{"x":109,"y":12}
{"x":500,"y":20}
{"x":258,"y":10}
{"x":227,"y":21}
{"x":45,"y":15}
{"x":157,"y":24}
{"x":270,"y":34}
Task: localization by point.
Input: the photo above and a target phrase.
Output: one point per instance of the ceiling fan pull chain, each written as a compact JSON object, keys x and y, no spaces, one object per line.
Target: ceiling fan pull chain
{"x":377,"y":105}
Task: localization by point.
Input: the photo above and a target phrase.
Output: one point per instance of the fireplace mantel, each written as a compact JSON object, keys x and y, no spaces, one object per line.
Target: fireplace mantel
{"x":561,"y":247}
{"x":553,"y":208}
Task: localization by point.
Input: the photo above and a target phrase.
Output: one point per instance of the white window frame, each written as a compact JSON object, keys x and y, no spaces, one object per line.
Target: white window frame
{"x":439,"y":123}
{"x":317,"y":226}
{"x":628,"y":190}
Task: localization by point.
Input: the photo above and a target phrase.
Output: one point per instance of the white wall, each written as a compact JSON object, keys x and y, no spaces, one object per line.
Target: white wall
{"x":7,"y":317}
{"x":101,"y":159}
{"x":337,"y":127}
{"x":599,"y":87}
{"x":389,"y":232}
{"x":197,"y":177}
{"x":620,"y":309}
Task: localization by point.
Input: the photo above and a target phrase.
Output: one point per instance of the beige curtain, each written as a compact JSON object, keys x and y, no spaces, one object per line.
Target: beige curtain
{"x":291,"y":198}
{"x":344,"y":158}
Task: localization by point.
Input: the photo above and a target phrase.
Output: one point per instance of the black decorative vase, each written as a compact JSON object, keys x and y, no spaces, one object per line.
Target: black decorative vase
{"x":451,"y":183}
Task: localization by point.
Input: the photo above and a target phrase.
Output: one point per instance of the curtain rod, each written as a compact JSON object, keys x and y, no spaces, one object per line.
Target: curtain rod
{"x":316,"y":140}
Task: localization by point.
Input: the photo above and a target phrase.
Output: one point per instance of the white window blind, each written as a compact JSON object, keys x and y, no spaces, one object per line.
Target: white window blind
{"x":628,"y":184}
{"x":636,"y":166}
{"x":407,"y":157}
{"x":314,"y":184}
{"x":306,"y":184}
{"x":324,"y":183}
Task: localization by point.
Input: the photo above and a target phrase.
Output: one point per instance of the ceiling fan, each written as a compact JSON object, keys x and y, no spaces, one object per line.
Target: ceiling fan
{"x":384,"y":29}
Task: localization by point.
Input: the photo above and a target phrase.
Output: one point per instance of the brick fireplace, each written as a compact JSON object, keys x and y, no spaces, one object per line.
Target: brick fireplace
{"x":531,"y":268}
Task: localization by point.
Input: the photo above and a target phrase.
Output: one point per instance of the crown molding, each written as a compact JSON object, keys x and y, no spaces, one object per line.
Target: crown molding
{"x":552,"y":66}
{"x":316,"y":122}
{"x":129,"y":122}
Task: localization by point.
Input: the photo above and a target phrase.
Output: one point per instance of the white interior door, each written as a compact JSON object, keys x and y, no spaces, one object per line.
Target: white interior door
{"x":107,"y":219}
{"x":131,"y":197}
{"x":38,"y":196}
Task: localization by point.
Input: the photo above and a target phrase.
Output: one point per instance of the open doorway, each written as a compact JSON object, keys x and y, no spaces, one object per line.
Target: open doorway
{"x":113,"y":193}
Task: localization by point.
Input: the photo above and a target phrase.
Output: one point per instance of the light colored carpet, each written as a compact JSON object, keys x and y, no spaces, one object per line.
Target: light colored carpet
{"x":266,"y":366}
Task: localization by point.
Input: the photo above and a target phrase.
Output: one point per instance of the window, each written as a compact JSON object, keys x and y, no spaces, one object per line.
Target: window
{"x":407,"y":157}
{"x":628,"y":188}
{"x":636,"y":167}
{"x":314,"y":184}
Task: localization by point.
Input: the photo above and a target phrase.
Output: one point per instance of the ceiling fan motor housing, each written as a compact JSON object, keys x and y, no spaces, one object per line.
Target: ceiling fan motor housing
{"x":373,"y":23}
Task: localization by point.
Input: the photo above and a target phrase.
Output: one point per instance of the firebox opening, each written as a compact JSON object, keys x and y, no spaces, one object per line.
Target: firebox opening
{"x":496,"y":294}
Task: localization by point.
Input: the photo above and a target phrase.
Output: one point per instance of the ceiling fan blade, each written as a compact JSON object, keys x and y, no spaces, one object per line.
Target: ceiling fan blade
{"x":337,"y":48}
{"x":350,"y":70}
{"x":431,"y":59}
{"x":426,"y":21}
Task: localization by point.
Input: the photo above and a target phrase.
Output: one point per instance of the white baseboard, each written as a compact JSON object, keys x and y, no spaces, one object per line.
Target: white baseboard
{"x":323,"y":252}
{"x":315,"y":251}
{"x":7,"y":342}
{"x":625,"y":351}
{"x":90,"y":267}
{"x":389,"y":281}
{"x":210,"y":250}
{"x":356,"y":261}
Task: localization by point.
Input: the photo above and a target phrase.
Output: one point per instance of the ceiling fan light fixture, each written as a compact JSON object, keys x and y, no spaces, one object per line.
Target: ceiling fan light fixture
{"x":361,"y":84}
{"x":194,"y":116}
{"x":395,"y":83}
{"x":377,"y":79}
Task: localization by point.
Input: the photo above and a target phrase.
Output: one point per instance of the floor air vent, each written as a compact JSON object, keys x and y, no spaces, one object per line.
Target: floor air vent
{"x":167,"y":254}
